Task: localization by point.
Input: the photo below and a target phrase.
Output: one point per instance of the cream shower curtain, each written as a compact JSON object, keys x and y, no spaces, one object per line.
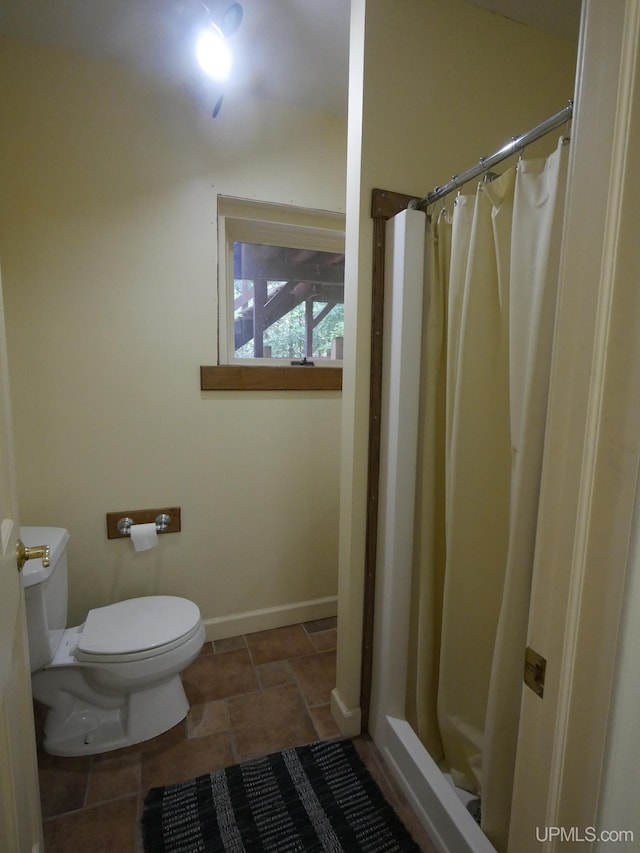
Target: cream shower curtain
{"x":488,"y":327}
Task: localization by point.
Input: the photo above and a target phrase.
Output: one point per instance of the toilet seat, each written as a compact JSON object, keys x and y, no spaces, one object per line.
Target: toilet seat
{"x":136,"y":629}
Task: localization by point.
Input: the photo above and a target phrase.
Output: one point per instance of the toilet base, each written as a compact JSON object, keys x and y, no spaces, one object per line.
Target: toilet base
{"x":85,"y":729}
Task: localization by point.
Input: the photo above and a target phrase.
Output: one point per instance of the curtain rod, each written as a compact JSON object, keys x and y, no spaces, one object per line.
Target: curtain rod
{"x":485,"y":163}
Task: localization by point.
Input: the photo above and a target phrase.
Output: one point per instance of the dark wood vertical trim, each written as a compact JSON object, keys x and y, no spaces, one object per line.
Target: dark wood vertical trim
{"x":384,"y":205}
{"x":373,"y":469}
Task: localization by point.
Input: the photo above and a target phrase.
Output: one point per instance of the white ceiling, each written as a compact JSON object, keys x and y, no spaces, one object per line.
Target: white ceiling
{"x":288,"y":50}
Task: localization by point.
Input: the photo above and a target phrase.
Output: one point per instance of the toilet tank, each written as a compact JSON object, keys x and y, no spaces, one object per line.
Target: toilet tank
{"x":45,"y":591}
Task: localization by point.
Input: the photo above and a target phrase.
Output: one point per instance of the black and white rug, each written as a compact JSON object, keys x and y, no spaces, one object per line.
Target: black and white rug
{"x":318,"y":797}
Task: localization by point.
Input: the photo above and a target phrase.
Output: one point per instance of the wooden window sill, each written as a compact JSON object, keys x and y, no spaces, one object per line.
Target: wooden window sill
{"x":229,"y":377}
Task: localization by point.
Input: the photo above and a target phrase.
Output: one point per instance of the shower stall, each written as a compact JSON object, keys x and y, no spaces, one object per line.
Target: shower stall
{"x":581,"y":517}
{"x":470,"y":303}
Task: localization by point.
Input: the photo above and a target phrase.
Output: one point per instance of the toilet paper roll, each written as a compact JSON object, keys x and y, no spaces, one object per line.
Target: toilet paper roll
{"x":144,"y":536}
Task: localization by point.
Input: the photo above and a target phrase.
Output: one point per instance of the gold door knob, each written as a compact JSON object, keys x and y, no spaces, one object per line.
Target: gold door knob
{"x":37,"y":551}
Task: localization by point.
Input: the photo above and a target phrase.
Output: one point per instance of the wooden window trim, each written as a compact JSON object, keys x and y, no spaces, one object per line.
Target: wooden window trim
{"x":229,"y":377}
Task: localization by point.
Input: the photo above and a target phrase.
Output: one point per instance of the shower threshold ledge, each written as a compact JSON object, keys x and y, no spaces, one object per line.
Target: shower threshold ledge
{"x":434,"y":799}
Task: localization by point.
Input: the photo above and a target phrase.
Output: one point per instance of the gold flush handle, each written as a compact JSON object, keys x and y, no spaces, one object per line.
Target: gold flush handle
{"x":23,"y":554}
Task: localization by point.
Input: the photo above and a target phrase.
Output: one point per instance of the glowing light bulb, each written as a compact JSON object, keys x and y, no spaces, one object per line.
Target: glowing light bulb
{"x":213,"y":54}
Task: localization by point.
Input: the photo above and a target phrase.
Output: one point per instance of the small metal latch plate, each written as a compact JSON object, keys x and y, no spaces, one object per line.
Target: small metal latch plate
{"x":535,"y":667}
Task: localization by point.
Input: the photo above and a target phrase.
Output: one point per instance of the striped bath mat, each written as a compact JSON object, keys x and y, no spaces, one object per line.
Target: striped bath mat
{"x":318,"y":797}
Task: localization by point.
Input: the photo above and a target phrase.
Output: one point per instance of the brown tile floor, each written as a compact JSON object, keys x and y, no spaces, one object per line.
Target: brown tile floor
{"x":249,"y":695}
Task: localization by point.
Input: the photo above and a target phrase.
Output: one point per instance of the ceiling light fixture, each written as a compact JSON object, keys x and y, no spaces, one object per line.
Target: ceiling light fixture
{"x":213,"y":53}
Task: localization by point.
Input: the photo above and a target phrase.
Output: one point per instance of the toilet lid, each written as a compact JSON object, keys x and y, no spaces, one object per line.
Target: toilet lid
{"x":138,"y":624}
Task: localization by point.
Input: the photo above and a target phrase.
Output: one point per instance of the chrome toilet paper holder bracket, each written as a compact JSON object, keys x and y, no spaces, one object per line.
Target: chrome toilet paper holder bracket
{"x":162,"y":521}
{"x":167,"y":519}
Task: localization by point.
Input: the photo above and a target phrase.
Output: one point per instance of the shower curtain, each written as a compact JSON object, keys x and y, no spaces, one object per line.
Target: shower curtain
{"x":488,"y":330}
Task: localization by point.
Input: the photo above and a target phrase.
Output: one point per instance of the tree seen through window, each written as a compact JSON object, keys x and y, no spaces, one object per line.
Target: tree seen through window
{"x":288,"y":303}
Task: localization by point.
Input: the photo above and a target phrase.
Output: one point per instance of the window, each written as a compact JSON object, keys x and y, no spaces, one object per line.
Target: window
{"x":281,"y":285}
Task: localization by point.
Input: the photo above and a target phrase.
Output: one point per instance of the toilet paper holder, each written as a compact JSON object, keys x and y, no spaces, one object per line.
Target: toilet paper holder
{"x":163,"y":522}
{"x":167,"y":520}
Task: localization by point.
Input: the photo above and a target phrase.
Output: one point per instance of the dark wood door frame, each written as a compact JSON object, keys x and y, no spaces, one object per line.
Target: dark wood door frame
{"x":384,"y":206}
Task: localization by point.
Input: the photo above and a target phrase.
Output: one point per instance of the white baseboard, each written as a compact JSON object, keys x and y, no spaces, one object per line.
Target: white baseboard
{"x":270,"y":617}
{"x":348,"y":720}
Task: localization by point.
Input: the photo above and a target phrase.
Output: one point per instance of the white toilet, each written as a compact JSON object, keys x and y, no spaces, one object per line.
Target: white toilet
{"x":115,"y":680}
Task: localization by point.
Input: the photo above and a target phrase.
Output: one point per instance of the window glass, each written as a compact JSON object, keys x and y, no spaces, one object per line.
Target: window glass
{"x":287,"y":303}
{"x":281,"y":293}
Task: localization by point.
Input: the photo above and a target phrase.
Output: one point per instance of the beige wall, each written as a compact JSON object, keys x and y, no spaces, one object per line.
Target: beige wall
{"x":108,"y":250}
{"x":107,"y":241}
{"x":432,"y":90}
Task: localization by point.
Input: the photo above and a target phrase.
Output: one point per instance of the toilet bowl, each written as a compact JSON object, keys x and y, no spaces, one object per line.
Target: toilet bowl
{"x":114,"y":680}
